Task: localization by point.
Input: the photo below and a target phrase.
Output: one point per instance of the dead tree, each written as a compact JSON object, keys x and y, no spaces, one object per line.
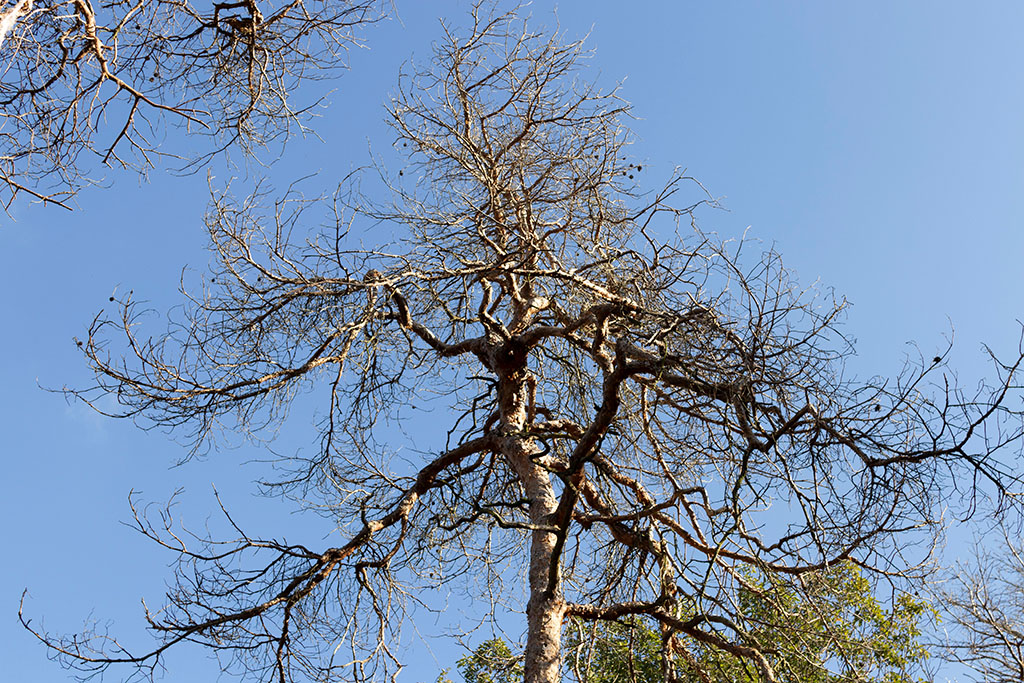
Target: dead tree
{"x":639,"y":422}
{"x":985,"y":608}
{"x":86,"y":82}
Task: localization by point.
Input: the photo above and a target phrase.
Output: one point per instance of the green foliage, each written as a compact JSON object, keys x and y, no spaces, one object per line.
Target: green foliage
{"x":491,"y":662}
{"x":826,"y":627}
{"x":613,"y":652}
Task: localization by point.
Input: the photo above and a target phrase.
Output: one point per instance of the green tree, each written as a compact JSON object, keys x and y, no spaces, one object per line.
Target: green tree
{"x":826,"y":628}
{"x":613,"y":652}
{"x":491,"y":662}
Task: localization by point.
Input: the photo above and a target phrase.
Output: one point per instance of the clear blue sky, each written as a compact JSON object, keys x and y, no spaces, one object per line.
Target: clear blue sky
{"x":878,"y":146}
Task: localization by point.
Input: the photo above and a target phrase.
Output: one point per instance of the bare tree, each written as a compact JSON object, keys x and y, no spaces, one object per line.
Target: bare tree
{"x":986,"y":603}
{"x":652,"y":423}
{"x":85,"y":82}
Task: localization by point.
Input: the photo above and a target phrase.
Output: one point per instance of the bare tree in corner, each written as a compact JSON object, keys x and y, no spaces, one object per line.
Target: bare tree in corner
{"x":85,"y":82}
{"x":985,"y":607}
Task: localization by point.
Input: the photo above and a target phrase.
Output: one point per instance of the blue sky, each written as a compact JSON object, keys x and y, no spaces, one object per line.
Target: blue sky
{"x":877,"y":146}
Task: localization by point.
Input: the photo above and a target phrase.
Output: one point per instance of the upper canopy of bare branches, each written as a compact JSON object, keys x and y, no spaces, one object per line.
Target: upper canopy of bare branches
{"x":652,"y":419}
{"x":83,"y":82}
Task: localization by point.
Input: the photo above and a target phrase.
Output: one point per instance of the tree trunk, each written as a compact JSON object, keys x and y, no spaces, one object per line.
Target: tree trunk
{"x":544,"y":611}
{"x":544,"y":615}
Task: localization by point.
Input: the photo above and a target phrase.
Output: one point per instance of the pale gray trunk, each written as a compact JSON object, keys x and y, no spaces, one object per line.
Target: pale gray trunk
{"x":544,"y":611}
